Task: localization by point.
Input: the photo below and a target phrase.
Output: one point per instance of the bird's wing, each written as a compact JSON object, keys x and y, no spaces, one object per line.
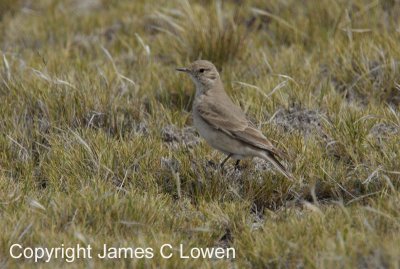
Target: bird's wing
{"x":230,"y":119}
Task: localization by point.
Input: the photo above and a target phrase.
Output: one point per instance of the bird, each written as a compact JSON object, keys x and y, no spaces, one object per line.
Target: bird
{"x":223,"y":124}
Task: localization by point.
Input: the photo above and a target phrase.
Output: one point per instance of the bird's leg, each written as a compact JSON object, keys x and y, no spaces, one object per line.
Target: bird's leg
{"x":237,"y":164}
{"x":224,"y":161}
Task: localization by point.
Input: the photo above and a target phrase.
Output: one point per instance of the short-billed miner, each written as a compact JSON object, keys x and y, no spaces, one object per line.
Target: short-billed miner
{"x":223,"y":124}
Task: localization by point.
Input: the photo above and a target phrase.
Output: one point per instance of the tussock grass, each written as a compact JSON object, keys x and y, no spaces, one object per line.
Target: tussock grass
{"x":96,"y":145}
{"x":210,"y":32}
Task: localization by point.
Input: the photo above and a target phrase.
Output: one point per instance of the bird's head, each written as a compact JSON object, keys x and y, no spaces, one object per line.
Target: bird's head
{"x":203,"y":73}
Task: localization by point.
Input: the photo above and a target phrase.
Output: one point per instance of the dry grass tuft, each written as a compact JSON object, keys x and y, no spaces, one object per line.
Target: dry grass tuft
{"x":195,"y":32}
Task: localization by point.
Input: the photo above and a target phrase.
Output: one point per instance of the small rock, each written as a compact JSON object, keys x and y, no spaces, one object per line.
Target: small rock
{"x":171,"y":164}
{"x":262,"y":165}
{"x":170,"y":134}
{"x":186,"y":136}
{"x":189,"y":136}
{"x":142,"y":128}
{"x":298,"y":119}
{"x":383,"y":130}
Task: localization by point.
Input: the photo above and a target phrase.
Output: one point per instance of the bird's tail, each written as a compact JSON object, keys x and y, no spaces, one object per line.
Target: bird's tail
{"x":268,"y":156}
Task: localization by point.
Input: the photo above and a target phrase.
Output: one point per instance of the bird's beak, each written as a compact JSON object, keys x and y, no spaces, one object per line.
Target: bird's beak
{"x":184,"y":69}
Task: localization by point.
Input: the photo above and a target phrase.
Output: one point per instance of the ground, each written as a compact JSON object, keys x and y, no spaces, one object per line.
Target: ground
{"x":97,"y":144}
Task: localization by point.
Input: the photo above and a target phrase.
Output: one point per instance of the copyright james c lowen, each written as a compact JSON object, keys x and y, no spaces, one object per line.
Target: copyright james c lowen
{"x":72,"y":253}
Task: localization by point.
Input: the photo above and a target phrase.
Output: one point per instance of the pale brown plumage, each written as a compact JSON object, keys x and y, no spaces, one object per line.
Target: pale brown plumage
{"x":223,"y":124}
{"x":221,"y":116}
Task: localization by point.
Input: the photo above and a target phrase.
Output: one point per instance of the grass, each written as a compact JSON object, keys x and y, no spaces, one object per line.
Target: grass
{"x":96,"y":145}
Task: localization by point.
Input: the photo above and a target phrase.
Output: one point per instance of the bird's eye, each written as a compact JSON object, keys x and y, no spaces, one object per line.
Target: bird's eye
{"x":201,"y":70}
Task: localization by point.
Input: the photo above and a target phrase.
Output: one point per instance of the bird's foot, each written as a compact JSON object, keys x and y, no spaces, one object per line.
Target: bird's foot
{"x":221,"y":169}
{"x":221,"y":166}
{"x":237,"y":166}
